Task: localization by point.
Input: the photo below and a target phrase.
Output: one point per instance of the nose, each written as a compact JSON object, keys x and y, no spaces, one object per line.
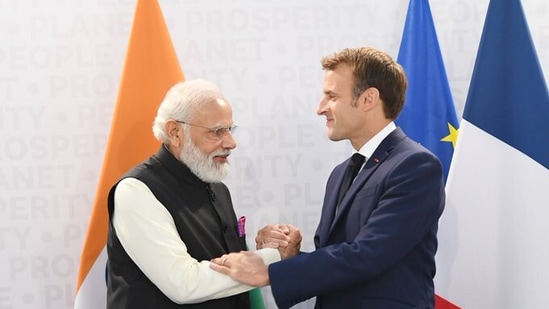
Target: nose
{"x":228,"y":141}
{"x":321,"y":109}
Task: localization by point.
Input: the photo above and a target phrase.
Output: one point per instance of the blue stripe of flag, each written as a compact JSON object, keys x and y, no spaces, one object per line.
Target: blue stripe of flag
{"x":508,"y":96}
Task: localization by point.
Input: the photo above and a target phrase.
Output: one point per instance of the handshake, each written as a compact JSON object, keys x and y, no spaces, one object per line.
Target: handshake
{"x":284,"y":237}
{"x":248,"y":267}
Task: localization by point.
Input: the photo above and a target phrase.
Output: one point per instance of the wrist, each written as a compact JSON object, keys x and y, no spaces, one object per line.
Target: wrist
{"x":265,"y":277}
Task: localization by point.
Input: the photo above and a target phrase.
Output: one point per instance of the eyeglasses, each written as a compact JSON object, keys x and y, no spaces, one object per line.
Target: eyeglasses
{"x":217,"y":133}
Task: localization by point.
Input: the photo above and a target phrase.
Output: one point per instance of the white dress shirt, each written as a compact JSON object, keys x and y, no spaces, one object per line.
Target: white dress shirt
{"x":367,"y":150}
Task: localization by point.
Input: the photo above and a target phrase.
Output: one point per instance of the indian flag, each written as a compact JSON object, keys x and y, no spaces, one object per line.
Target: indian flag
{"x":150,"y":69}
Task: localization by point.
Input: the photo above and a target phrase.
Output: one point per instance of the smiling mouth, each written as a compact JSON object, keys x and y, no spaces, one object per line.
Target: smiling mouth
{"x":221,"y":157}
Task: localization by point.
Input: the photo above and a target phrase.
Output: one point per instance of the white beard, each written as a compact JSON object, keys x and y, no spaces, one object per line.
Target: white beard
{"x":202,"y":165}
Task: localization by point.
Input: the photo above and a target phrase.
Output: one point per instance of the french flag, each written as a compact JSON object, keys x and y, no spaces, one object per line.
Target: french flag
{"x":494,"y":236}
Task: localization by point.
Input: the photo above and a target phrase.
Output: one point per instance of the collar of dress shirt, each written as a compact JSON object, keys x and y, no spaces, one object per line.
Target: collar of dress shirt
{"x":368,"y":149}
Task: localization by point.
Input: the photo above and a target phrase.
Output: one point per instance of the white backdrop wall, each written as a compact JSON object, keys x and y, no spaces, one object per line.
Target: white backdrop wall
{"x":60,"y":65}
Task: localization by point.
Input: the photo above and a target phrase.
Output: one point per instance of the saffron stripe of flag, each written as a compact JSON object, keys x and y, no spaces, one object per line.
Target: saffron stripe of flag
{"x":151,"y":67}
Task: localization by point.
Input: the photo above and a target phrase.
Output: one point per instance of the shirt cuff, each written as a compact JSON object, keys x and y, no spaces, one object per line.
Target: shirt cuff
{"x":269,"y":255}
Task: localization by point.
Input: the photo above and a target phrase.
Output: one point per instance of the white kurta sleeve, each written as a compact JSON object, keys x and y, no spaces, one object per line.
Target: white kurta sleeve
{"x":147,"y":232}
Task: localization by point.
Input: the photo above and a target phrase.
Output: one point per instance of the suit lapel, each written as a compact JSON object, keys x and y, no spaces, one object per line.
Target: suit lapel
{"x":381,"y":153}
{"x":330,"y":201}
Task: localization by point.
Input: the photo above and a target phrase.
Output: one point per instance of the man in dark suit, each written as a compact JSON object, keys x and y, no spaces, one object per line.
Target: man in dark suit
{"x":376,"y":242}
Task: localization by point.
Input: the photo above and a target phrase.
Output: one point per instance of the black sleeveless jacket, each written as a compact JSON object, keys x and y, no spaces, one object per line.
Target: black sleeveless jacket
{"x":206,"y":222}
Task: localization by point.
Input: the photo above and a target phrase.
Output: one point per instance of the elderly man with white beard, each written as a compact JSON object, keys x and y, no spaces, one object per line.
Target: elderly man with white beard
{"x":170,"y":215}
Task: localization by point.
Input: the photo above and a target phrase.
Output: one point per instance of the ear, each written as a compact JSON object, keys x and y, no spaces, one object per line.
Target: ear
{"x":369,"y":98}
{"x":174,"y":131}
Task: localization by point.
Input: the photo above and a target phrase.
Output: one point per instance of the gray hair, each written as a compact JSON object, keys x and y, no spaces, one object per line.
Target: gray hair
{"x":181,"y":102}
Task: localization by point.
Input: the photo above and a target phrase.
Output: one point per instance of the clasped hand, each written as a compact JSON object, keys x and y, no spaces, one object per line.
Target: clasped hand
{"x":284,"y":237}
{"x":248,"y":267}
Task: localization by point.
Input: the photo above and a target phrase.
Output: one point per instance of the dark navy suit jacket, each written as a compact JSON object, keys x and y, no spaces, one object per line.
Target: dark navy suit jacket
{"x":379,"y":251}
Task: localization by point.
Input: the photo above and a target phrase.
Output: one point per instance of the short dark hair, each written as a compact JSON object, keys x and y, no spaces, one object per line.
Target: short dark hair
{"x":373,"y":68}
